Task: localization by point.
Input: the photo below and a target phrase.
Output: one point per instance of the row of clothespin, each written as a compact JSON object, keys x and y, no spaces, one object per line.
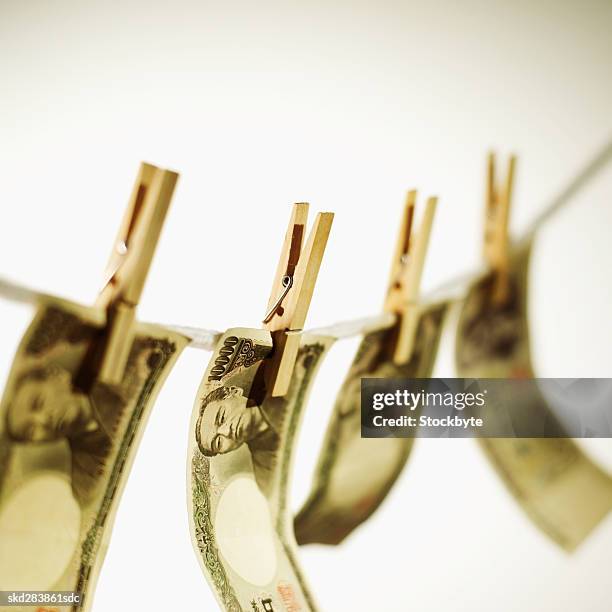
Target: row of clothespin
{"x":296,"y":273}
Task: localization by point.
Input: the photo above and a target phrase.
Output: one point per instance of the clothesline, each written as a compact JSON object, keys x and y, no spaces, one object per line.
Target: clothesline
{"x":450,"y":291}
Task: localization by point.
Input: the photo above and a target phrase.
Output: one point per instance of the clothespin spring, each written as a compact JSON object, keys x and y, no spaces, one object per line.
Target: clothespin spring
{"x":287,"y":283}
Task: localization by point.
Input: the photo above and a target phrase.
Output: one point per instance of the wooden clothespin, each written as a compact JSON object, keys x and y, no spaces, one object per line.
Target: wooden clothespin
{"x":128,"y":266}
{"x":496,"y":236}
{"x":406,"y":271}
{"x":291,"y":294}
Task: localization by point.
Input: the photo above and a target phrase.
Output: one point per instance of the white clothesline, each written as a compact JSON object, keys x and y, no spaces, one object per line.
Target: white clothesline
{"x":451,"y":290}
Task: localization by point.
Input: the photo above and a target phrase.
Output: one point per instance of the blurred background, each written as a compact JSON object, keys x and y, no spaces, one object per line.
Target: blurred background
{"x":344,"y":105}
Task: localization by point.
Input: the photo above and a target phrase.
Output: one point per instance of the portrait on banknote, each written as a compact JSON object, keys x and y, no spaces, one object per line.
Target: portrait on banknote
{"x":228,"y":420}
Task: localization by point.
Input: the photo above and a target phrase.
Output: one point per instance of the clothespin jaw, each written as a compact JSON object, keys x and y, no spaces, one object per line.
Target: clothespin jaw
{"x":496,"y":247}
{"x":405,"y":278}
{"x":291,"y":294}
{"x":129,"y":264}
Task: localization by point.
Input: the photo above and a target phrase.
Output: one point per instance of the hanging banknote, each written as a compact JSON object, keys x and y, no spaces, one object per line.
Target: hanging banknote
{"x":66,"y":446}
{"x":240,"y":450}
{"x":561,"y":489}
{"x":354,"y":475}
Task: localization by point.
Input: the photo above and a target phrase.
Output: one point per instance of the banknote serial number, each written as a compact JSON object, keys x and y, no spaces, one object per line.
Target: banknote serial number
{"x":35,"y":598}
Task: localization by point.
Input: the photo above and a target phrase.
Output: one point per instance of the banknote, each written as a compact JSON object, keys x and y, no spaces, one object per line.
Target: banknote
{"x":353,"y":474}
{"x":239,"y":464}
{"x":66,"y":446}
{"x":560,"y":488}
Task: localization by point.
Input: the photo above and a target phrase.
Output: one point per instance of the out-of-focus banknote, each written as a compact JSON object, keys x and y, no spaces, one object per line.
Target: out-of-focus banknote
{"x":354,"y":474}
{"x":240,"y":450}
{"x":66,"y":447}
{"x":560,"y":488}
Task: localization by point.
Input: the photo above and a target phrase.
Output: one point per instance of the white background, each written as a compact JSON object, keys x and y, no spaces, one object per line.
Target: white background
{"x":344,"y":105}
